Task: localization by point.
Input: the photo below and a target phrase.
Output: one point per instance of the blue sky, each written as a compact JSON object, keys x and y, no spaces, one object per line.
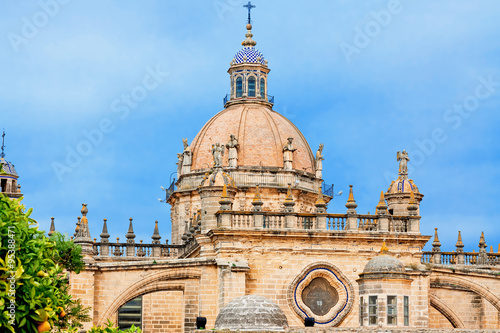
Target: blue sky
{"x":365,"y":78}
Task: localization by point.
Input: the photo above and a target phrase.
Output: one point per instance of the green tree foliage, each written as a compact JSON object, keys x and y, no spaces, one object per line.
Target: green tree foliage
{"x":34,"y":274}
{"x":110,"y":328}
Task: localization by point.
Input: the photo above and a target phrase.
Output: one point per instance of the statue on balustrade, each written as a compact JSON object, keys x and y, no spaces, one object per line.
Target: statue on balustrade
{"x":232,"y":147}
{"x":319,"y":162}
{"x":180,"y":158}
{"x":288,"y":150}
{"x":187,"y":156}
{"x":217,"y":153}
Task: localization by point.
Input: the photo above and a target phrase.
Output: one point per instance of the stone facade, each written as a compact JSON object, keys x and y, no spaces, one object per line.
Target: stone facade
{"x":260,"y":228}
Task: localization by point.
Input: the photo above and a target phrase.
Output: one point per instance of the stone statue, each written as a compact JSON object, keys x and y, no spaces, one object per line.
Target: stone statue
{"x":180,"y":158}
{"x":186,"y":162}
{"x":288,"y":150}
{"x":403,"y":162}
{"x":232,"y":147}
{"x":319,"y":162}
{"x":217,"y":152}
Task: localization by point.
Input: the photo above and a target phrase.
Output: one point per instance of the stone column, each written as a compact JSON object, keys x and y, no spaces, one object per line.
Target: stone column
{"x":383,"y":214}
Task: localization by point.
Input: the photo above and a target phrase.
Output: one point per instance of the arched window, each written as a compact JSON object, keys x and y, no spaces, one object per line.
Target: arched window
{"x":251,"y":87}
{"x":262,"y":88}
{"x":239,"y":87}
{"x":130,"y":314}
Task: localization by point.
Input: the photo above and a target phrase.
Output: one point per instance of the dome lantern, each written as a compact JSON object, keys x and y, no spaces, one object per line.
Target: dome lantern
{"x":248,"y":72}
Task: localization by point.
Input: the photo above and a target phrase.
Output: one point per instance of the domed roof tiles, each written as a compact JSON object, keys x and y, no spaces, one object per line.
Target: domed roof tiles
{"x":251,"y":313}
{"x":249,"y":54}
{"x":261,"y":132}
{"x":384,"y":264}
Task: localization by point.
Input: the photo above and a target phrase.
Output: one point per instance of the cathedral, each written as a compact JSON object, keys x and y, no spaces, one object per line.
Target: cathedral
{"x":254,"y":248}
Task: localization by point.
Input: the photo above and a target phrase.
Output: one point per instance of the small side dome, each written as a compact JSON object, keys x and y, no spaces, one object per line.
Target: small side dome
{"x":7,"y":168}
{"x":249,"y":54}
{"x":384,"y":264}
{"x":402,"y":185}
{"x":251,"y":313}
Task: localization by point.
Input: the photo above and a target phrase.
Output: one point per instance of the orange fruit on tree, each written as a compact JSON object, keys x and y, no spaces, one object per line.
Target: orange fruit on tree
{"x":43,"y":327}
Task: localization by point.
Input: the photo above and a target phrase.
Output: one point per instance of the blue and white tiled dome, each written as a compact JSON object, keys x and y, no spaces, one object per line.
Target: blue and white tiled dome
{"x":249,"y":54}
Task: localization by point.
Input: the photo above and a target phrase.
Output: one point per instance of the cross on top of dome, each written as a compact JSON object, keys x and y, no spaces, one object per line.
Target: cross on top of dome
{"x":249,"y":6}
{"x":2,"y":155}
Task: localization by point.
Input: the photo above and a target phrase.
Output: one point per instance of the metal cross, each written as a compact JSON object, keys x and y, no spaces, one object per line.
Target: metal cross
{"x":2,"y":155}
{"x":249,"y":6}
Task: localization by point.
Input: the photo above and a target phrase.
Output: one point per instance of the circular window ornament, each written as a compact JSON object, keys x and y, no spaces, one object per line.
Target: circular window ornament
{"x":321,"y":291}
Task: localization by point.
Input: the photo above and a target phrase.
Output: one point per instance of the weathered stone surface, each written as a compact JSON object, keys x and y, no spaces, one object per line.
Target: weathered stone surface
{"x":384,"y":263}
{"x":251,"y":313}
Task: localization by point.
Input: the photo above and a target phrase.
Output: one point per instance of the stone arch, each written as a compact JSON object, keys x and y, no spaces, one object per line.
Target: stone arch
{"x":446,"y":311}
{"x":160,"y":281}
{"x":472,"y":286}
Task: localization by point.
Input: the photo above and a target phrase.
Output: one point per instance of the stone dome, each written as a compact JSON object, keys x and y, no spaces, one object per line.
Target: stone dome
{"x":249,"y":54}
{"x":402,"y":185}
{"x":251,"y":313}
{"x":7,"y":168}
{"x":384,"y":264}
{"x":261,"y":132}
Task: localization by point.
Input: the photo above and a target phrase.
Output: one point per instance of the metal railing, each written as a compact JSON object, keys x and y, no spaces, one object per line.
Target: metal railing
{"x":327,"y":190}
{"x":169,"y":190}
{"x":267,"y":98}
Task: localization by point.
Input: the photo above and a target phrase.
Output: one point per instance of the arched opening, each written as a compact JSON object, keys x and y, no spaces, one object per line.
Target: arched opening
{"x":262,"y":88}
{"x":239,"y":87}
{"x":251,"y":87}
{"x":130,"y":314}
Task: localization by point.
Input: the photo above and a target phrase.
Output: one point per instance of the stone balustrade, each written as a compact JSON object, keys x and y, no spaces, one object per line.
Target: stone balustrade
{"x":315,"y":221}
{"x":127,"y":250}
{"x":460,"y":258}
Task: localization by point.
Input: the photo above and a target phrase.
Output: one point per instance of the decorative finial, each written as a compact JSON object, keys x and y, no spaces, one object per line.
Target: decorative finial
{"x":351,"y":203}
{"x":104,"y":234}
{"x":382,"y":206}
{"x":320,"y":201}
{"x":156,"y":234}
{"x":384,"y":249}
{"x":130,"y":233}
{"x":2,"y":154}
{"x":482,"y":243}
{"x":84,"y":209}
{"x":436,"y":245}
{"x":52,"y":227}
{"x":249,"y":6}
{"x":459,"y":245}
